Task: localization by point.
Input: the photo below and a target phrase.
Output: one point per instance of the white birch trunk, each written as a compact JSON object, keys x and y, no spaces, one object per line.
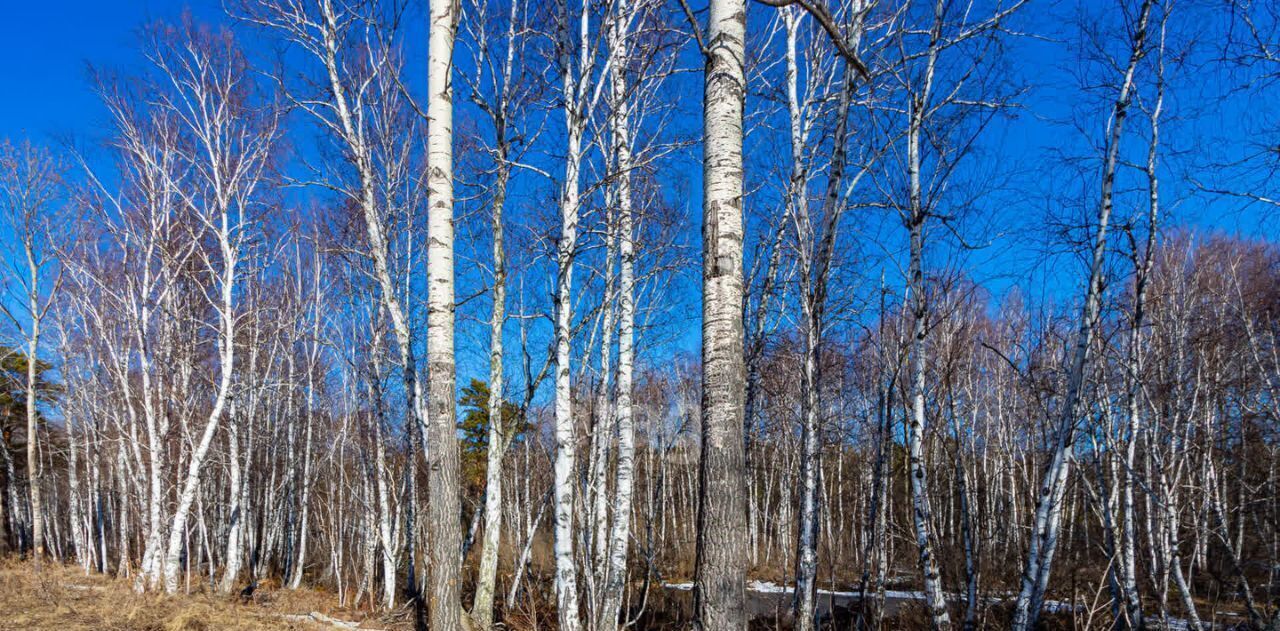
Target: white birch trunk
{"x":444,"y":582}
{"x":921,"y":512}
{"x":575,"y":75}
{"x":806,"y":569}
{"x":1048,"y":514}
{"x":721,"y":565}
{"x":235,"y":551}
{"x":565,"y":432}
{"x":624,"y":476}
{"x":226,"y":361}
{"x":486,"y":579}
{"x":34,"y":478}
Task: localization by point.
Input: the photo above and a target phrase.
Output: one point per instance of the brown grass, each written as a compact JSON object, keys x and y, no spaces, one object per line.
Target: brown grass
{"x":64,"y":598}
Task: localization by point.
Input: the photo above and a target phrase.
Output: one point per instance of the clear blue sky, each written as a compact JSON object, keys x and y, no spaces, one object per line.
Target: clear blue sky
{"x":46,"y":47}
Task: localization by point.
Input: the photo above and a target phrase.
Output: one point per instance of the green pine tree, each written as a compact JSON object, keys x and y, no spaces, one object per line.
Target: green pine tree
{"x":474,"y":427}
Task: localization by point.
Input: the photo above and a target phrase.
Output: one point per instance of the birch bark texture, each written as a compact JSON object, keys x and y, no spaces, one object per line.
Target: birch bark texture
{"x":574,"y":75}
{"x":442,"y":444}
{"x":624,"y":476}
{"x":921,"y":510}
{"x":721,"y":555}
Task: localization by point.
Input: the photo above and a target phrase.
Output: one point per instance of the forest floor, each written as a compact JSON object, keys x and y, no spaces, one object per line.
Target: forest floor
{"x":63,"y":598}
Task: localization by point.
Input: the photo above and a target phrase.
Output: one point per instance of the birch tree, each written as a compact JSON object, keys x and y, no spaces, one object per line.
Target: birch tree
{"x":240,"y":400}
{"x":30,"y":188}
{"x":576,"y":59}
{"x":621,"y":140}
{"x":360,"y":107}
{"x":230,"y":151}
{"x":446,"y":541}
{"x":720,"y":581}
{"x":502,"y":90}
{"x":815,"y":248}
{"x":1053,"y":482}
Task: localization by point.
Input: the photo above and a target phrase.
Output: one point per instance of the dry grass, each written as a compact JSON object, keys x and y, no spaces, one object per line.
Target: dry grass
{"x":63,"y":598}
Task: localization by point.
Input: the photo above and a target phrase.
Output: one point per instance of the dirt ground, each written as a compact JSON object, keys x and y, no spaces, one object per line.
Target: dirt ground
{"x":63,"y":598}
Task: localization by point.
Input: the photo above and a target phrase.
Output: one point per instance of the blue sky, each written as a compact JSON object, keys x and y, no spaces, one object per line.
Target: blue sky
{"x":45,"y":49}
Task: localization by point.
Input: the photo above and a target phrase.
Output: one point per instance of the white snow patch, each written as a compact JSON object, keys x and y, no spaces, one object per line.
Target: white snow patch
{"x":769,"y":587}
{"x":1050,"y":606}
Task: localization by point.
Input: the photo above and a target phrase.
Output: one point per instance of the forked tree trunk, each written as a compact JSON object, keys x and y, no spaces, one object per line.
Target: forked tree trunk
{"x":1048,"y":514}
{"x":482,"y":604}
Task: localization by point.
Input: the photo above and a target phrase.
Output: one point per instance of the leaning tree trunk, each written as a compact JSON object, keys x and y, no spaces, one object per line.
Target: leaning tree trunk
{"x":349,"y":128}
{"x":1048,"y":514}
{"x":226,"y":358}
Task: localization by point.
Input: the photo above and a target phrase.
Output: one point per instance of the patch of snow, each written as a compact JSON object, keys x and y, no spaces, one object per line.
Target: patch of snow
{"x":769,"y":587}
{"x":766,"y":587}
{"x":1050,"y":606}
{"x":1057,"y":606}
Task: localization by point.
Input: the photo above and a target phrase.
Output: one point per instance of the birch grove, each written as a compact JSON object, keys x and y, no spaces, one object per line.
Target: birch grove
{"x":453,"y":315}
